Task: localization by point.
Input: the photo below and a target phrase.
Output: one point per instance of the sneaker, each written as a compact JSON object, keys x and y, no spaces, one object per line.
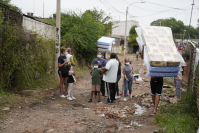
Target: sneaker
{"x":99,"y":100}
{"x":124,"y":99}
{"x":90,"y":101}
{"x":130,"y":96}
{"x":117,"y":97}
{"x":73,"y":97}
{"x":63,"y":96}
{"x":66,"y":96}
{"x":107,"y":103}
{"x":69,"y":98}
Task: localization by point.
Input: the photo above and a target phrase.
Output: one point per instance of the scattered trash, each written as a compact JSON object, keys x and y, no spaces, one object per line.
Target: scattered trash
{"x":6,"y":108}
{"x":50,"y":88}
{"x":134,"y":123}
{"x":127,"y":126}
{"x":50,"y":130}
{"x":102,"y":115}
{"x":86,"y":108}
{"x":140,"y":110}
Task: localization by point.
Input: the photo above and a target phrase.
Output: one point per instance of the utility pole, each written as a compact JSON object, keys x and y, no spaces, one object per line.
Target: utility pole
{"x":160,"y":23}
{"x":125,"y":47}
{"x":183,"y":36}
{"x":43,"y":8}
{"x":190,"y":65}
{"x":57,"y":37}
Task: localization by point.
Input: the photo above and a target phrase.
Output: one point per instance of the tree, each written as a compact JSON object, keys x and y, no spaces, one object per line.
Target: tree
{"x":132,"y":37}
{"x":177,"y":27}
{"x":85,"y":31}
{"x":104,"y":20}
{"x":1,"y":20}
{"x":8,"y":3}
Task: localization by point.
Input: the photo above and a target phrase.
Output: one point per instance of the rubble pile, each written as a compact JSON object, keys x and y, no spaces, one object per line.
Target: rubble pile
{"x":114,"y":112}
{"x":146,"y":99}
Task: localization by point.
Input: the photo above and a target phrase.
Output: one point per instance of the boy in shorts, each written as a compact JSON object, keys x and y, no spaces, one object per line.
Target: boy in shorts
{"x":96,"y":74}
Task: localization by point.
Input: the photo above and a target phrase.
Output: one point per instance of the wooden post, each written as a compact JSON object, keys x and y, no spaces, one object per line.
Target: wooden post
{"x":190,"y":66}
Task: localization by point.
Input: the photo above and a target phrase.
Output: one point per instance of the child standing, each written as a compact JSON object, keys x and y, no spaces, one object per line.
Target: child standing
{"x":137,"y":54}
{"x":96,"y":74}
{"x":128,"y":77}
{"x":69,"y":74}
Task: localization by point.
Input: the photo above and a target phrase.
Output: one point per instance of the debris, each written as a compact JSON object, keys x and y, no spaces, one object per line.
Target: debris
{"x":50,"y":88}
{"x":155,"y":131}
{"x":127,"y":126}
{"x":172,"y":100}
{"x":50,"y":130}
{"x":86,"y":108}
{"x":6,"y":108}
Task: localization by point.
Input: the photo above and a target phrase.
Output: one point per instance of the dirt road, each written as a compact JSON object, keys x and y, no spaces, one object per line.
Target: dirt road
{"x":58,"y":115}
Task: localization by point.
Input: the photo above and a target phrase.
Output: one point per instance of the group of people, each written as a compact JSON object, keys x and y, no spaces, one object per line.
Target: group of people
{"x":106,"y":75}
{"x":66,"y":74}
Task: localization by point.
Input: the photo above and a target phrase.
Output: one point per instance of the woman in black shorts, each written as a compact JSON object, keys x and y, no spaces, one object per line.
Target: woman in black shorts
{"x":62,"y":60}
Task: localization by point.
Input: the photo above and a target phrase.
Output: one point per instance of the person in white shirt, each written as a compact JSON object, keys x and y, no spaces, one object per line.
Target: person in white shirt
{"x":110,"y":77}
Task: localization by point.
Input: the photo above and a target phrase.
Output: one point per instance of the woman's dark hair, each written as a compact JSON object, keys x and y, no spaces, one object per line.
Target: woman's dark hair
{"x":62,"y":49}
{"x":100,"y":52}
{"x":67,"y":70}
{"x":117,"y":58}
{"x":112,"y":56}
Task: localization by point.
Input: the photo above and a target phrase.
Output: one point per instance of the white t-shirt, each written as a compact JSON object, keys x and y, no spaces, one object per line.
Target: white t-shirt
{"x":68,"y":57}
{"x":112,"y":67}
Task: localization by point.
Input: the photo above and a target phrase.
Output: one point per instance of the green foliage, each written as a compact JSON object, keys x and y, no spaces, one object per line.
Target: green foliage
{"x":15,"y":8}
{"x":177,"y":27}
{"x":104,"y":20}
{"x":179,"y":118}
{"x":86,"y":28}
{"x":1,"y":20}
{"x":22,"y":57}
{"x":132,"y":36}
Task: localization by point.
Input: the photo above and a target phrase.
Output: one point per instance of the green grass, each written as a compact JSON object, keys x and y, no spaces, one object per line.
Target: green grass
{"x":181,"y":117}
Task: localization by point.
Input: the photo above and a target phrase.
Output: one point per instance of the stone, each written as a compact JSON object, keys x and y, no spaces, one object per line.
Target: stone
{"x":6,"y":108}
{"x":155,"y":131}
{"x":127,"y":126}
{"x":172,"y":100}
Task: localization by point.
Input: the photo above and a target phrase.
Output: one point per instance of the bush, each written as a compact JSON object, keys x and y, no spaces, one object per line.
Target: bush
{"x":23,"y":57}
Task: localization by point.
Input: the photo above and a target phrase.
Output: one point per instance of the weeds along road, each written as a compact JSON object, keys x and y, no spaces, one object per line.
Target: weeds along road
{"x":58,"y":115}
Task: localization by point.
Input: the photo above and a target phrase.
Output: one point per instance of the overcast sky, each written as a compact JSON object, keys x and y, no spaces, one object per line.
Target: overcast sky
{"x":145,"y":12}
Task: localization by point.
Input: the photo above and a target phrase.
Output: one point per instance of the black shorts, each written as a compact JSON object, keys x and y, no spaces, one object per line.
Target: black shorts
{"x":61,"y":74}
{"x":156,"y":86}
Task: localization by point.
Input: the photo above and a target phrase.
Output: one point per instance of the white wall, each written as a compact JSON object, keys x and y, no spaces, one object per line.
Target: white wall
{"x":40,"y":28}
{"x":120,"y":28}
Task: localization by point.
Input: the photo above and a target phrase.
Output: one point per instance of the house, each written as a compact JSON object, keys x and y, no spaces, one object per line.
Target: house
{"x":118,"y":33}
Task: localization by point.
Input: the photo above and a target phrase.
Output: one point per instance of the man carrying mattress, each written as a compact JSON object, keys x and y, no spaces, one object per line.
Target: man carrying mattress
{"x":156,"y":84}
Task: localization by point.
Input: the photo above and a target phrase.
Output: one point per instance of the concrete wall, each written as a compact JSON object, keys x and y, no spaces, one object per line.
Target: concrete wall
{"x":117,"y":48}
{"x":40,"y":28}
{"x":119,"y":29}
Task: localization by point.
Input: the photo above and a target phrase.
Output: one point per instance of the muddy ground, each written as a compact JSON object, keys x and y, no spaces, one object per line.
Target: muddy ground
{"x":58,"y":115}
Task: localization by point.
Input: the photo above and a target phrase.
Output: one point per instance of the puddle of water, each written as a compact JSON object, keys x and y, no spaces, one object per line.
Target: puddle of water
{"x":140,"y":110}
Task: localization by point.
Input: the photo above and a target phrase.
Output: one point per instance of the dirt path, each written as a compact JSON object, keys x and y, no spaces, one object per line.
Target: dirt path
{"x":57,"y":115}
